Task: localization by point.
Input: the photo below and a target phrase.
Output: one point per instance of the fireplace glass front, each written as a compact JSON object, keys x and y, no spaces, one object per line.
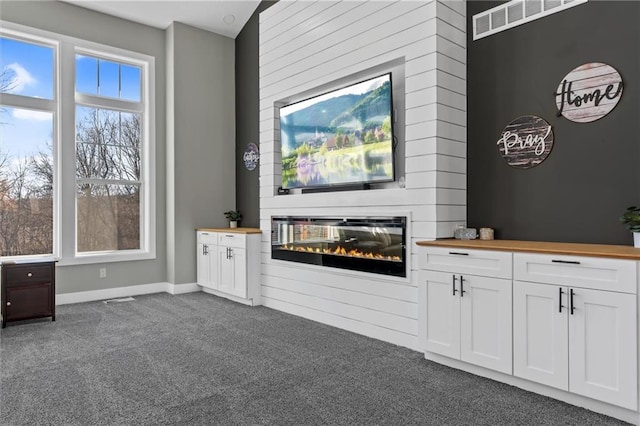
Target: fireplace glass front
{"x":367,"y":244}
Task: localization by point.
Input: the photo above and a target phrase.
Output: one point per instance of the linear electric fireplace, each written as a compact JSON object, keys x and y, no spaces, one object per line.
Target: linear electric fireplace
{"x":367,"y":244}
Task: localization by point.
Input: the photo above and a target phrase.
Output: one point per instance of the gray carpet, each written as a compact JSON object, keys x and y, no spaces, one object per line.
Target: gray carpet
{"x":196,"y":359}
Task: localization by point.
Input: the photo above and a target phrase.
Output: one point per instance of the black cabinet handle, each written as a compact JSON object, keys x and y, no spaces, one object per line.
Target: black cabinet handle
{"x":457,"y":253}
{"x":572,"y":262}
{"x":560,"y":305}
{"x":453,"y":285}
{"x":462,"y":292}
{"x":572,"y":307}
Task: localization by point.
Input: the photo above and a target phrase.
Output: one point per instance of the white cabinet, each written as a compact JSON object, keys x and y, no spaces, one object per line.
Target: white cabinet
{"x":575,"y":327}
{"x":574,"y":317}
{"x":468,"y":306}
{"x":231,"y":267}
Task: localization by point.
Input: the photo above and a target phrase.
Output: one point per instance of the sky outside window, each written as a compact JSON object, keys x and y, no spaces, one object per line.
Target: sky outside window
{"x":100,"y":77}
{"x":27,"y":69}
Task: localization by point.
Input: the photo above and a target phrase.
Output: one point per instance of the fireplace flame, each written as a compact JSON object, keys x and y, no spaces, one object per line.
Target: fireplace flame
{"x":341,"y":251}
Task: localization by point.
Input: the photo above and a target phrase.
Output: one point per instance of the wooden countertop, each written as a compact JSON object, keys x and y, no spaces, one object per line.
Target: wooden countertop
{"x":232,"y":230}
{"x":571,"y":249}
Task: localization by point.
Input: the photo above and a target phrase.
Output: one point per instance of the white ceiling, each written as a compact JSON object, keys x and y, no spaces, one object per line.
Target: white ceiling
{"x":210,"y":15}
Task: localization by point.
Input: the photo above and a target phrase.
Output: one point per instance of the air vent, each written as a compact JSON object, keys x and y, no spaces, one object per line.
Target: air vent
{"x":516,"y":12}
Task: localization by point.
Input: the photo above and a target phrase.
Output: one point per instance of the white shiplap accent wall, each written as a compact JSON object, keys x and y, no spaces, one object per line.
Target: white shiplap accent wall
{"x":307,"y":47}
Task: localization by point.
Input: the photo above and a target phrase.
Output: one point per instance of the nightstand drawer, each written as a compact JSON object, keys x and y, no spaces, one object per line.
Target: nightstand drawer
{"x":31,"y":274}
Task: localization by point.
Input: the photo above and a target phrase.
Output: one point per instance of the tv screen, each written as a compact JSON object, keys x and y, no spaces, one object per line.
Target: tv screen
{"x":339,"y":138}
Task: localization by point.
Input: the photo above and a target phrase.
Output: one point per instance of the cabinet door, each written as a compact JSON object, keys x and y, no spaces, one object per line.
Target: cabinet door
{"x":202,"y":268}
{"x":603,"y":347}
{"x":207,"y":266}
{"x":442,"y":314}
{"x":540,"y":333}
{"x":485,"y":322}
{"x":226,"y":270}
{"x":239,"y":282}
{"x":233,"y":271}
{"x":29,"y":301}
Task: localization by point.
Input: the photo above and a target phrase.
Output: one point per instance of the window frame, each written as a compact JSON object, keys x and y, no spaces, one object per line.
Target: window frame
{"x":52,"y":106}
{"x":64,"y":122}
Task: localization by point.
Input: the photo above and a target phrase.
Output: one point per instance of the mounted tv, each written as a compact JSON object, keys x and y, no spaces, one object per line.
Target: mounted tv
{"x":340,"y":138}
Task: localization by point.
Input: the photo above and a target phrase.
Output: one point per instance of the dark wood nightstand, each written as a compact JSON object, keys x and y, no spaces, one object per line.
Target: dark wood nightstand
{"x":28,"y":291}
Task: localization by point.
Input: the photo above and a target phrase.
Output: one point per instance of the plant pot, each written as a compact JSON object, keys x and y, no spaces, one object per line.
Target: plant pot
{"x":233,"y":224}
{"x":636,"y":239}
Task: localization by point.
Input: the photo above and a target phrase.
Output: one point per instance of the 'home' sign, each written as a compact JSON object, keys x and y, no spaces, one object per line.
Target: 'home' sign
{"x":589,"y":92}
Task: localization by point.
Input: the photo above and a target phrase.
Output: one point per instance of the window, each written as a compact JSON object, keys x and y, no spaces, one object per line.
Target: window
{"x":108,"y":154}
{"x":27,"y":139}
{"x":101,"y":122}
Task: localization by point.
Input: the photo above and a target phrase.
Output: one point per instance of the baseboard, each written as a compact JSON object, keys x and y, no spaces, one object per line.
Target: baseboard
{"x":134,"y":290}
{"x":236,"y":299}
{"x":182,"y":288}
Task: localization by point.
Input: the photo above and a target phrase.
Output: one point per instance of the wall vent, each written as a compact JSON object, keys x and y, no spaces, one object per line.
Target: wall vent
{"x":516,"y":12}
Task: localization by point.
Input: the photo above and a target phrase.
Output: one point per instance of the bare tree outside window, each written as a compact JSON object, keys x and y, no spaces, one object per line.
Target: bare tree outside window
{"x":109,"y":184}
{"x":26,"y":195}
{"x":108,"y":177}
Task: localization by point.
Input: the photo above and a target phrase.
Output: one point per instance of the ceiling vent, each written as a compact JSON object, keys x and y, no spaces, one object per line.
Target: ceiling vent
{"x":516,"y":12}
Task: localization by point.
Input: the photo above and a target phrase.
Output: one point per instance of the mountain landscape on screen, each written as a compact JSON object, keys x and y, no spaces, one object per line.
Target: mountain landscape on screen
{"x":341,"y":137}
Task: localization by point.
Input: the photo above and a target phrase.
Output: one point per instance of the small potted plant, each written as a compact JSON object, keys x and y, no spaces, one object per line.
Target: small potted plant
{"x":631,"y":218}
{"x":234,"y":216}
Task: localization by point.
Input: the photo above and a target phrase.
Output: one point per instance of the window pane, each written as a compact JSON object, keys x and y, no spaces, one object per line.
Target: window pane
{"x":109,"y":79}
{"x":86,"y":74}
{"x":26,"y":69}
{"x":26,"y":182}
{"x":108,"y":217}
{"x":130,"y":89}
{"x":100,"y":77}
{"x":107,"y":144}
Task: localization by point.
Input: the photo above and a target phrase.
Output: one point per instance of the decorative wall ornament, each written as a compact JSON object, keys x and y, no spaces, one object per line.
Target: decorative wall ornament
{"x":589,"y":92}
{"x":251,"y":156}
{"x":526,"y":142}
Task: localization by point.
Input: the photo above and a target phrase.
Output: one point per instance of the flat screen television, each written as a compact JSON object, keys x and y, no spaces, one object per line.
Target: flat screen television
{"x":340,"y":138}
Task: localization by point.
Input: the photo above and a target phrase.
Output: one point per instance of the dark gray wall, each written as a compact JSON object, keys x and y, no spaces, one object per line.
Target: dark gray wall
{"x":593,"y":171}
{"x":248,"y":117}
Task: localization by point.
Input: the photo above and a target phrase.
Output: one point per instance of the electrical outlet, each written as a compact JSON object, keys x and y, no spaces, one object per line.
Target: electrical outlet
{"x":103,"y":272}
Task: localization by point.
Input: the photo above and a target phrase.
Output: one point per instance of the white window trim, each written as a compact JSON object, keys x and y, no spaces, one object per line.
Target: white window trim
{"x":64,"y":226}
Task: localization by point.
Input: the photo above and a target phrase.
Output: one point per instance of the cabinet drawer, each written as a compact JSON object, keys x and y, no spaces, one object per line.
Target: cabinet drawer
{"x":233,"y":240}
{"x":462,"y":261}
{"x":577,"y":271}
{"x":207,"y":237}
{"x":29,"y":274}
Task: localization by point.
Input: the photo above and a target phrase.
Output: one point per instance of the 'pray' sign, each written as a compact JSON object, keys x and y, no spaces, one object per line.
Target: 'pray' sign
{"x":526,"y":142}
{"x":589,"y":92}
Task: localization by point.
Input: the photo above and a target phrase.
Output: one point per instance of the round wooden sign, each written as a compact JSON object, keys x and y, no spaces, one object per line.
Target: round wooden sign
{"x":589,"y":92}
{"x":526,"y":142}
